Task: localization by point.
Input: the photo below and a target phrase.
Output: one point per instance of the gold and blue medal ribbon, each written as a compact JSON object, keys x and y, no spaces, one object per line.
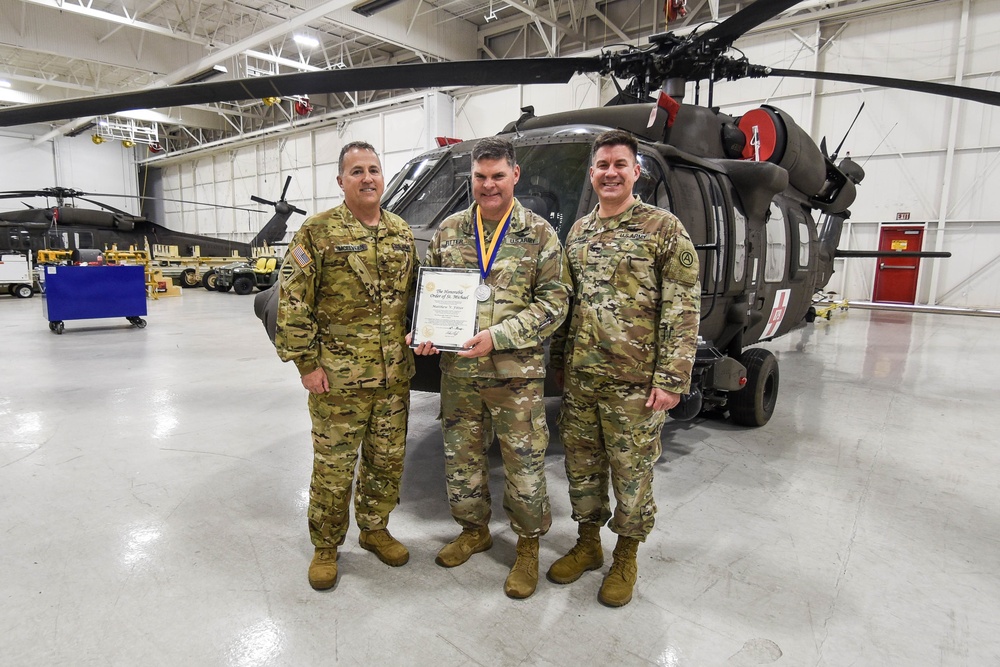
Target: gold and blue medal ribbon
{"x":487,"y":256}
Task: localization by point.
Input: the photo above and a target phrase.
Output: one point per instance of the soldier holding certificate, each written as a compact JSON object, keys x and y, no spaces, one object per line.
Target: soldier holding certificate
{"x":523,"y":296}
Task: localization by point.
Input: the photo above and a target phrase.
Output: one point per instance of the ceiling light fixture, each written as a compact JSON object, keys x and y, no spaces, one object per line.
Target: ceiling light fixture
{"x":369,"y":7}
{"x":214,"y":70}
{"x":4,"y":83}
{"x":306,"y":41}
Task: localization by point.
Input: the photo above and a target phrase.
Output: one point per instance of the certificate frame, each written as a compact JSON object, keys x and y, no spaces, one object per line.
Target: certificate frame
{"x":445,"y":311}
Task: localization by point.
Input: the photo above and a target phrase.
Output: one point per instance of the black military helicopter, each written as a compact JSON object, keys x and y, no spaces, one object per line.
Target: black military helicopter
{"x":66,"y":226}
{"x":763,"y":202}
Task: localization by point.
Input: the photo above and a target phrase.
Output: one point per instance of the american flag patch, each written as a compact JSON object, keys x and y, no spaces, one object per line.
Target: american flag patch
{"x":301,"y":257}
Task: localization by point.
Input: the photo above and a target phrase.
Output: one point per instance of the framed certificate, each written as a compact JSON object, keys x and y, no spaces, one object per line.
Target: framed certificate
{"x":446,"y":305}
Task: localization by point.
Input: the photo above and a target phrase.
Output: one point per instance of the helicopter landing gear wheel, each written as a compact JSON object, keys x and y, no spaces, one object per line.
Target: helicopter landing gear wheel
{"x":243,"y":285}
{"x":754,"y":404}
{"x":189,"y":278}
{"x":208,"y":280}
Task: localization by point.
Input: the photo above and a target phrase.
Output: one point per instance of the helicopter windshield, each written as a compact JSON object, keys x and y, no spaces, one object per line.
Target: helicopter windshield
{"x":553,"y":178}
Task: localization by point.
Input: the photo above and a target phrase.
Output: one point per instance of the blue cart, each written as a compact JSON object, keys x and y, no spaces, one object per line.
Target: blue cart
{"x":87,"y":292}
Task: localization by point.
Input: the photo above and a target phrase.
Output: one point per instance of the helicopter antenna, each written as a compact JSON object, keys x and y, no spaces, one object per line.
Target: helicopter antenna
{"x":880,"y":143}
{"x":833,"y":158}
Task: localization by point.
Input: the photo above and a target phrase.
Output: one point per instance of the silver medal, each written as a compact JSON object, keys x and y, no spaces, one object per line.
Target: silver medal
{"x":483,"y":292}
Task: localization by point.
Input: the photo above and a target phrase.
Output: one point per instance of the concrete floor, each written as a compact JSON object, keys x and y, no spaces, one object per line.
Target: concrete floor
{"x":153,"y":486}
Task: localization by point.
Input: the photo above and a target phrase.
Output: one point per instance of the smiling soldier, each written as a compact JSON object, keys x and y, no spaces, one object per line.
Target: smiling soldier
{"x":345,"y":285}
{"x":498,"y":375}
{"x":626,"y":355}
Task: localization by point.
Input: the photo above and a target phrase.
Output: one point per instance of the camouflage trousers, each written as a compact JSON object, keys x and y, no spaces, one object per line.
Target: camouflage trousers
{"x":515,"y":408}
{"x":605,"y":428}
{"x":344,"y":420}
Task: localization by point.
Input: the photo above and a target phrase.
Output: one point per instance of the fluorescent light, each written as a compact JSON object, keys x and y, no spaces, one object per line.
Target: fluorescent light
{"x":306,"y":41}
{"x":369,"y":7}
{"x":4,"y":83}
{"x":214,"y":70}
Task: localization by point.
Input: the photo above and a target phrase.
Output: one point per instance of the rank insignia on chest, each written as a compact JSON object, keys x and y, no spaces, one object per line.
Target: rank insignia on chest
{"x":352,"y":247}
{"x":301,"y":257}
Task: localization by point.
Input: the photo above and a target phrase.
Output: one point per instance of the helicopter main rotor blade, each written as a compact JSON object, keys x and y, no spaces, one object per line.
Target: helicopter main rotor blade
{"x":947,"y":90}
{"x":385,"y":77}
{"x":288,"y":181}
{"x":108,"y":207}
{"x":744,"y":21}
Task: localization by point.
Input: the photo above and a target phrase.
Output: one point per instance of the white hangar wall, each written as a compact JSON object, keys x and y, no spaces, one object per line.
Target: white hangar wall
{"x":70,"y":163}
{"x":933,"y":158}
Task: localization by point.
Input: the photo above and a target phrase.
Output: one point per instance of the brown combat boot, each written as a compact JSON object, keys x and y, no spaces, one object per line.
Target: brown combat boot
{"x":323,"y":568}
{"x":523,"y":576}
{"x":585,"y":555}
{"x":388,"y":549}
{"x":616,"y":591}
{"x":460,"y":549}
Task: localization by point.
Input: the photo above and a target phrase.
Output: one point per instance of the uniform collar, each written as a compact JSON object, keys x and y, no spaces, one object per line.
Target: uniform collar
{"x":619,"y":220}
{"x":518,"y":222}
{"x":359,"y":228}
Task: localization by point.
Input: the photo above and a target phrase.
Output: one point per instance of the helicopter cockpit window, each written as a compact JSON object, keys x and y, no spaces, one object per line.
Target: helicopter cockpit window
{"x":445,"y":193}
{"x":690,"y":191}
{"x":408,"y":176}
{"x":553,"y":177}
{"x":803,"y":244}
{"x":774,"y":261}
{"x":719,"y":213}
{"x":739,"y":246}
{"x":651,"y":187}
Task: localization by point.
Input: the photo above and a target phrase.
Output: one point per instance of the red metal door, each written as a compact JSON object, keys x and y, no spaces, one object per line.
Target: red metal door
{"x":896,"y":277}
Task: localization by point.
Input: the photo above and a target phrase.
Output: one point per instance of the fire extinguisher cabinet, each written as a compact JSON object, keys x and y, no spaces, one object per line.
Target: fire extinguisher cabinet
{"x":90,"y":292}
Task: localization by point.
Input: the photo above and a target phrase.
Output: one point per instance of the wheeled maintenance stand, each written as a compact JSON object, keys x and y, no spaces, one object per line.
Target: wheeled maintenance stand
{"x":87,"y":292}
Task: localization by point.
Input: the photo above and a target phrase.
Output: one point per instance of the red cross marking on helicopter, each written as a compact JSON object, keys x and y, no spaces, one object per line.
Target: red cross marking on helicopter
{"x":777,"y":312}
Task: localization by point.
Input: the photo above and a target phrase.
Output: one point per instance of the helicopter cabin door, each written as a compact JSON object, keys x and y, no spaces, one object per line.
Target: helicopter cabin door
{"x":896,"y":277}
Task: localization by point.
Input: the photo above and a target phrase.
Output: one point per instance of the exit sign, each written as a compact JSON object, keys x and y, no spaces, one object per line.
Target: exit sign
{"x":903,"y":216}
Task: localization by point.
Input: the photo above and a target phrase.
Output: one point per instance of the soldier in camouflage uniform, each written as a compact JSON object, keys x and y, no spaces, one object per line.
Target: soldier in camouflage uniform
{"x":345,"y":284}
{"x":626,"y":355}
{"x":499,"y":374}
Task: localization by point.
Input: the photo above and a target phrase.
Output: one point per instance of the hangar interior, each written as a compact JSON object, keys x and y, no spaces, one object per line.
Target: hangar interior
{"x":154,"y":482}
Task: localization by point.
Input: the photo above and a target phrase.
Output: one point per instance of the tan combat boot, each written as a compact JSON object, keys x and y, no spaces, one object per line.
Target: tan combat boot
{"x":616,"y":591}
{"x":460,"y":549}
{"x":388,"y":549}
{"x":523,"y":576}
{"x":585,"y":555}
{"x":323,"y":568}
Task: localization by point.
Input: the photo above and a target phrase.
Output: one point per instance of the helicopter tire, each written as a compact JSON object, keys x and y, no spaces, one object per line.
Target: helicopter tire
{"x":189,"y":278}
{"x":208,"y":280}
{"x":754,"y":404}
{"x":22,"y":291}
{"x":243,"y":285}
{"x":222,"y":288}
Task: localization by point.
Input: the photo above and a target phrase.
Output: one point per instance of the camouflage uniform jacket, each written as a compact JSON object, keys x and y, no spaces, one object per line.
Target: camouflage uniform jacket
{"x":637,"y":300}
{"x":531,"y":290}
{"x":344,"y":294}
